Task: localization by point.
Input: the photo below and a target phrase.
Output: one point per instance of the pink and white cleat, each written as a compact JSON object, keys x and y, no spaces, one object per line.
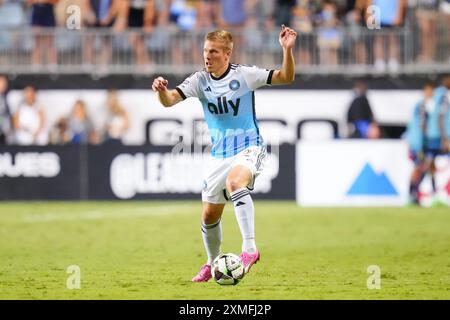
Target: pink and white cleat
{"x":249,"y":259}
{"x":204,"y":274}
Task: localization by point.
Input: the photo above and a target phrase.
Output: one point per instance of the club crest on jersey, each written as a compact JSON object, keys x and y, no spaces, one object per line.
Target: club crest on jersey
{"x":234,"y":85}
{"x":224,"y":106}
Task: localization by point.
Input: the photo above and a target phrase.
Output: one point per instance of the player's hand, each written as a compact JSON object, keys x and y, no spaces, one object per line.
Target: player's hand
{"x":374,"y":131}
{"x":120,"y":25}
{"x":160,"y":84}
{"x":287,"y":37}
{"x":90,"y":17}
{"x":105,"y":21}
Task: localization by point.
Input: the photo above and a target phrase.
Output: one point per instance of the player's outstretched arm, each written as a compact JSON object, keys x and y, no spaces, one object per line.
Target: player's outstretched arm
{"x":287,"y":72}
{"x":167,"y":97}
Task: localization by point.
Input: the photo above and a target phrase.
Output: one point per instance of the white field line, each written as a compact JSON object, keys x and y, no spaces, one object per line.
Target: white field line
{"x":124,"y":213}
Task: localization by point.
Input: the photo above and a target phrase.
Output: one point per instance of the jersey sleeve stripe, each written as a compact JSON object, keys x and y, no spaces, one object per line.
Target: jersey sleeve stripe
{"x":181,"y":93}
{"x":269,"y":78}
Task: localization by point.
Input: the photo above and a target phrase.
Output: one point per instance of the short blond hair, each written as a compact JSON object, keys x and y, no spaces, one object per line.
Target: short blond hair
{"x":221,"y":35}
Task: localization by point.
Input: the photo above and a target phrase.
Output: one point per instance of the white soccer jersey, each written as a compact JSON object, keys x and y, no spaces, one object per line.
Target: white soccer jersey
{"x":229,"y":106}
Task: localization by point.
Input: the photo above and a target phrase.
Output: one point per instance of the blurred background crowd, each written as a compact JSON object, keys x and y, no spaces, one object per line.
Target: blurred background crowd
{"x":169,"y":33}
{"x":27,"y":122}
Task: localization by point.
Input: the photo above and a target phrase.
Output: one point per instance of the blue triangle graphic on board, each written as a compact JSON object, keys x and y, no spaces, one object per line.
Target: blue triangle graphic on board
{"x":369,"y":183}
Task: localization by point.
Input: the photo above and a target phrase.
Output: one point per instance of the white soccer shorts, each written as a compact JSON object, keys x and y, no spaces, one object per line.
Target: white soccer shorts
{"x":217,"y":170}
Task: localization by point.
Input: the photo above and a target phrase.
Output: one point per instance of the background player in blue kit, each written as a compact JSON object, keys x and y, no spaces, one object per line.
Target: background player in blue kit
{"x":428,"y":134}
{"x":416,"y":140}
{"x":226,"y":92}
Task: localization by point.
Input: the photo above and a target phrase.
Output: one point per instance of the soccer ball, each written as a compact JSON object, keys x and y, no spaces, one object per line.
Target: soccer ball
{"x":227,"y":269}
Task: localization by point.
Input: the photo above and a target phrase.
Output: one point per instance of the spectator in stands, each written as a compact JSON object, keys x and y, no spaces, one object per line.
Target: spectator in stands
{"x":392,"y":16}
{"x":272,"y":49}
{"x":427,"y":14}
{"x":260,"y":9}
{"x":283,"y":12}
{"x":253,"y":37}
{"x":360,"y":118}
{"x":302,"y":22}
{"x":208,"y":14}
{"x":159,"y":43}
{"x":232,"y":19}
{"x":184,"y":14}
{"x":104,"y":15}
{"x":117,"y":122}
{"x":417,"y":146}
{"x":29,"y":120}
{"x":61,"y":11}
{"x":139,"y":15}
{"x":43,"y":22}
{"x":329,"y":37}
{"x":60,"y":134}
{"x":11,"y":14}
{"x":233,"y":14}
{"x":5,"y":114}
{"x":354,"y":15}
{"x":445,"y":12}
{"x":80,"y":126}
{"x":257,"y":31}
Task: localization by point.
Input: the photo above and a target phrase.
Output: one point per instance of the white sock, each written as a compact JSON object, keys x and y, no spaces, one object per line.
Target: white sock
{"x":212,"y":238}
{"x":244,"y":210}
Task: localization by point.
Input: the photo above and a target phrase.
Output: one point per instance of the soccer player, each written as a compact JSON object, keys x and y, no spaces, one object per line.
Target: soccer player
{"x":226,"y":92}
{"x":416,"y":140}
{"x":428,"y":134}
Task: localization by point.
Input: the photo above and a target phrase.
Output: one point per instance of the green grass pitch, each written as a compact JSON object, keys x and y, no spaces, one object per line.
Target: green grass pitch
{"x":151,"y":250}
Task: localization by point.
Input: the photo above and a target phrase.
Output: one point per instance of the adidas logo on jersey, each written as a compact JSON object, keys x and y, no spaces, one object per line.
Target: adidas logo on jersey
{"x":222,"y":106}
{"x":208,"y":89}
